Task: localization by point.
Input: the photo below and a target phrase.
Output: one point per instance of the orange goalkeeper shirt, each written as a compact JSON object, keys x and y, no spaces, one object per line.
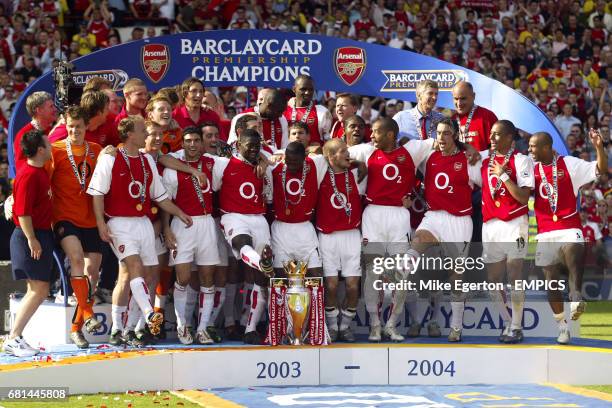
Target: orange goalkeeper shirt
{"x":70,"y":202}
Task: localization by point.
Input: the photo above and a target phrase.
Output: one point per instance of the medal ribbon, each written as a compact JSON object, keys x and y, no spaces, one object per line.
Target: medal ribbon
{"x":198,"y":188}
{"x":553,"y":196}
{"x":345,"y":203}
{"x":494,"y":190}
{"x":463,"y":132}
{"x":304,"y":117}
{"x":144,"y":171}
{"x":80,"y":178}
{"x":305,"y":170}
{"x":316,"y":323}
{"x":277,"y":329}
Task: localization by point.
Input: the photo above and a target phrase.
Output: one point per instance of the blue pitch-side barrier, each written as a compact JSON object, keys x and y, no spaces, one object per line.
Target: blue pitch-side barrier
{"x":274,"y":59}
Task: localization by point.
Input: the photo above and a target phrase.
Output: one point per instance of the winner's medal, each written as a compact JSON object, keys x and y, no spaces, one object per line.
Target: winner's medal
{"x":141,"y":187}
{"x":552,"y":193}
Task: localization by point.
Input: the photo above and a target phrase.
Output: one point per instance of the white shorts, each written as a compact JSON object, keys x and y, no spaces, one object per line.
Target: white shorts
{"x":253,"y":225}
{"x":386,"y":228}
{"x":133,"y":236}
{"x":160,"y":246}
{"x":295,"y":241}
{"x":548,"y":250}
{"x":341,"y":253}
{"x":197,"y":243}
{"x":503,"y":240}
{"x":222,"y":245}
{"x":454,"y":232}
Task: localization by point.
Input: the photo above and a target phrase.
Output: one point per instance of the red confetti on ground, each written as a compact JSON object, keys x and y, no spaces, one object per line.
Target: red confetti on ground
{"x":179,"y":403}
{"x":166,"y":398}
{"x":129,"y":405}
{"x":90,"y":405}
{"x":102,"y":406}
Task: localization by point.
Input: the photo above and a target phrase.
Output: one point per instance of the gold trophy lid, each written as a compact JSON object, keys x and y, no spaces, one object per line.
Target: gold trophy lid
{"x":295,"y":269}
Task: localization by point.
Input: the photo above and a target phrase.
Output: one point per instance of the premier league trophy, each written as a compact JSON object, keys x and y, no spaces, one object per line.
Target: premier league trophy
{"x":296,"y":307}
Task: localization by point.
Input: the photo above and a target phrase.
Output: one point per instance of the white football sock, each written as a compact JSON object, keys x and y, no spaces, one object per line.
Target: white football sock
{"x":560,"y":318}
{"x":247,"y":290}
{"x":190,"y":305}
{"x":500,"y":305}
{"x":346,"y":317}
{"x":331,"y":317}
{"x":457,"y":315}
{"x":140,"y":291}
{"x":228,"y":305}
{"x":180,"y":302}
{"x":219,"y":300}
{"x":207,"y":300}
{"x":518,"y":301}
{"x":258,"y":305}
{"x":118,"y":315}
{"x":133,"y":314}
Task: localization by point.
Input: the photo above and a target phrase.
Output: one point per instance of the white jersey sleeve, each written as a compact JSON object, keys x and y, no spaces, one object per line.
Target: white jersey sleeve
{"x":157,"y":191}
{"x":321,"y":166}
{"x":580,"y":171}
{"x":170,"y":180}
{"x":285,"y":134}
{"x":524,"y":171}
{"x":361,"y":187}
{"x":102,"y":176}
{"x":419,"y":150}
{"x":361,"y":152}
{"x":596,"y":230}
{"x":179,"y":154}
{"x":325,"y":121}
{"x":218,"y":169}
{"x":474,"y":174}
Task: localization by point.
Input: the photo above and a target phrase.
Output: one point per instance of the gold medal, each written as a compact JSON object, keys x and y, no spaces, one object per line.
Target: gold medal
{"x":287,"y":211}
{"x":138,"y":207}
{"x":555,"y":217}
{"x":153,"y":210}
{"x":497,"y":204}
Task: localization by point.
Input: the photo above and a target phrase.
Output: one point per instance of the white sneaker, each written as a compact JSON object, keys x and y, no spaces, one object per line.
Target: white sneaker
{"x":203,"y":337}
{"x":564,"y":336}
{"x":392,"y":334}
{"x":18,"y":347}
{"x":375,"y":334}
{"x":184,"y":335}
{"x":577,"y":309}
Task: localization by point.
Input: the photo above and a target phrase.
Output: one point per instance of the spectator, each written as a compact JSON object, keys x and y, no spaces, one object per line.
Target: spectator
{"x":99,"y":20}
{"x":85,"y":41}
{"x":565,"y":121}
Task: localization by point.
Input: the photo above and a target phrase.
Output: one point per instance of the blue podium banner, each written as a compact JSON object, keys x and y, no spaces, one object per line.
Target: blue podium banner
{"x":274,"y":59}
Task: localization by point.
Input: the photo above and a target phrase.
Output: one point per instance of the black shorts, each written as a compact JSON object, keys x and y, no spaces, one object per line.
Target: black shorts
{"x":22,"y":263}
{"x":89,"y":237}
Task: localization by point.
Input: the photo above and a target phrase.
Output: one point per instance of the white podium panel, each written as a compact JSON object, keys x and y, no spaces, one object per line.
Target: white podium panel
{"x":579,"y":367}
{"x":261,"y":366}
{"x":466,"y":365}
{"x":354,"y":366}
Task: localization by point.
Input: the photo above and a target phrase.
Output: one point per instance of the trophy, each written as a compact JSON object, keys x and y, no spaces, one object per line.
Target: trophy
{"x":296,"y":307}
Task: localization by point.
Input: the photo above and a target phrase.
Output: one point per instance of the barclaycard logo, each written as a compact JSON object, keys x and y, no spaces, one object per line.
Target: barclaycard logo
{"x":407,"y":80}
{"x":117,"y":77}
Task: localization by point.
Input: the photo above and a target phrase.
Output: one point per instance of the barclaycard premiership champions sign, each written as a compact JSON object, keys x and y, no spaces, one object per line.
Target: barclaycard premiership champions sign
{"x":275,"y":59}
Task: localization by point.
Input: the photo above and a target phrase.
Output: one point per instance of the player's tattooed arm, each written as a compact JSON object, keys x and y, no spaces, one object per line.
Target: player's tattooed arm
{"x":170,"y":162}
{"x":110,"y":150}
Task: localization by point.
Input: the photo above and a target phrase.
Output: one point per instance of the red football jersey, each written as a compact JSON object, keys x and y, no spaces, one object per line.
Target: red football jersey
{"x":331,"y":215}
{"x":182,"y":190}
{"x":289,"y":205}
{"x":182,"y":117}
{"x":479,"y":133}
{"x":447,"y":183}
{"x":240,"y":191}
{"x":520,"y":170}
{"x":20,"y":159}
{"x":32,"y":194}
{"x":312,"y":120}
{"x":572,"y":173}
{"x":112,"y":179}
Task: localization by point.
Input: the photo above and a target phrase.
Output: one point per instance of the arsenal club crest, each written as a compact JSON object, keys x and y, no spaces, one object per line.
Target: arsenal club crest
{"x":458,"y":166}
{"x":155,"y":60}
{"x":401,"y":158}
{"x":350,"y":64}
{"x":121,"y":248}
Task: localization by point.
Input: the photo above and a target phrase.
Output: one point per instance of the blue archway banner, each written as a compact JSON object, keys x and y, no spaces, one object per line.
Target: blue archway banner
{"x":274,"y":59}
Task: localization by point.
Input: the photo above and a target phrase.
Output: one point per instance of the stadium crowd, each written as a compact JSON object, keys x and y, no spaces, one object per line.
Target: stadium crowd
{"x":556,"y":54}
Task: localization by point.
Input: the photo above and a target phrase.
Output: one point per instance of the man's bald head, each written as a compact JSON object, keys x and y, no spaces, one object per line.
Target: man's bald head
{"x":273,"y":104}
{"x":543,"y":139}
{"x":463,"y":97}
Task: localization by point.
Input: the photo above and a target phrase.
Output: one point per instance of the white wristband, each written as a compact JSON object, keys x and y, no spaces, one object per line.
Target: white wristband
{"x":504,"y":177}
